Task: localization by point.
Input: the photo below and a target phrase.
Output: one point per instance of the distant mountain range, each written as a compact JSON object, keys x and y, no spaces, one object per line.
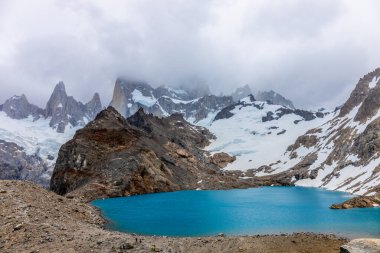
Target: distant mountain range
{"x":259,"y":136}
{"x":30,"y":137}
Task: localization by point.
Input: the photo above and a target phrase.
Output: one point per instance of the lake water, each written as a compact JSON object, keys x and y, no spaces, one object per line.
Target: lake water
{"x":264,"y":210}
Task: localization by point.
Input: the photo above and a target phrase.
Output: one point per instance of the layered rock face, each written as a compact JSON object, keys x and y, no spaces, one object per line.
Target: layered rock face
{"x":65,"y":110}
{"x":344,"y":154}
{"x":18,"y":107}
{"x":113,"y":156}
{"x":194,"y":104}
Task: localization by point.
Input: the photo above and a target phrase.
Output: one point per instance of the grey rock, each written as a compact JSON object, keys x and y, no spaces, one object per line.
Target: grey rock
{"x":65,"y":110}
{"x":18,"y":107}
{"x":15,"y":164}
{"x":362,"y":245}
{"x":131,"y":95}
{"x":241,"y":92}
{"x":274,"y":98}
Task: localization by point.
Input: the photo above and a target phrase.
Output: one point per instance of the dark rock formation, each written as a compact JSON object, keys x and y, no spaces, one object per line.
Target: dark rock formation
{"x":113,"y":156}
{"x":359,"y":202}
{"x":18,"y":107}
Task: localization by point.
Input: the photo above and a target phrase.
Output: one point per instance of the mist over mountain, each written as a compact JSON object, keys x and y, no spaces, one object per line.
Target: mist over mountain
{"x":308,"y":51}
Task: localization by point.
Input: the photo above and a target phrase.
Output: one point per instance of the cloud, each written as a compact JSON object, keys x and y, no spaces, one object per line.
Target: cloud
{"x":310,"y":51}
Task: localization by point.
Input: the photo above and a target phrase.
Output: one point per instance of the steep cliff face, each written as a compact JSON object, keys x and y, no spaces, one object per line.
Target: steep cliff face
{"x":113,"y":156}
{"x":64,"y":110}
{"x":194,"y":104}
{"x":344,"y":153}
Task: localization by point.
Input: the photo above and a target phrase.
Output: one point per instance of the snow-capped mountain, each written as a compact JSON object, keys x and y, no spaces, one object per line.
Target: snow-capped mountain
{"x":64,"y":110}
{"x":274,"y":98}
{"x":344,"y":153}
{"x":257,"y":132}
{"x":30,"y":137}
{"x":337,"y":151}
{"x":163,"y":101}
{"x":270,"y":96}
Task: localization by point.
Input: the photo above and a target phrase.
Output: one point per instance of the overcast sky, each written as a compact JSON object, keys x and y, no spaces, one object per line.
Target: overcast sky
{"x":312,"y":52}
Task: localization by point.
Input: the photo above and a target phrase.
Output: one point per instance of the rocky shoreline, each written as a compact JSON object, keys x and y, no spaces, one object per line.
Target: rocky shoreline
{"x":33,"y":219}
{"x":359,"y":202}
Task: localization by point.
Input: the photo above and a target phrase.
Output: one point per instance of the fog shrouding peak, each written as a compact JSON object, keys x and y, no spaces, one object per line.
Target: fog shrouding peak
{"x":312,"y":52}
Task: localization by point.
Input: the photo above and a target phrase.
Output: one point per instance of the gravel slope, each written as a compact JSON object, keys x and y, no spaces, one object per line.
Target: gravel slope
{"x":33,"y":219}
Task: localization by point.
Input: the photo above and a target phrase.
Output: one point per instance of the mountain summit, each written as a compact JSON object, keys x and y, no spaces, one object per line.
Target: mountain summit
{"x":129,"y":96}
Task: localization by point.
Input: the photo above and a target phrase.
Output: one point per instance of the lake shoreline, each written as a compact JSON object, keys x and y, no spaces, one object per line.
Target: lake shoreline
{"x":273,"y":211}
{"x":33,"y":219}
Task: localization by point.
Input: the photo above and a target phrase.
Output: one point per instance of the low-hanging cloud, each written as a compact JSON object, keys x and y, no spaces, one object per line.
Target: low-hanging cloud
{"x":311,"y":51}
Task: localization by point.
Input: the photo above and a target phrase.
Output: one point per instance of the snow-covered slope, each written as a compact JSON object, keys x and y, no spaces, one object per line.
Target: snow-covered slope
{"x":37,"y":147}
{"x":340,"y":151}
{"x":36,"y":137}
{"x":344,"y":153}
{"x":247,"y":132}
{"x":30,"y":137}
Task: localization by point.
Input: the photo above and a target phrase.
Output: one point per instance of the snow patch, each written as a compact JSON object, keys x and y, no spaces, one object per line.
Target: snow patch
{"x":138,"y":97}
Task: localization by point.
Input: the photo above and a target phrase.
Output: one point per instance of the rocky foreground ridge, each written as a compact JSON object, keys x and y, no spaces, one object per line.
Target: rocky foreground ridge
{"x":33,"y":219}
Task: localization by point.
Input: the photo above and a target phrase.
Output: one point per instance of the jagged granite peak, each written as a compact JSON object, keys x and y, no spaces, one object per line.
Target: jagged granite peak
{"x":129,"y":96}
{"x":113,"y":156}
{"x":18,"y":107}
{"x":93,"y":106}
{"x":361,"y":91}
{"x":274,"y":98}
{"x":65,"y":110}
{"x":241,"y":92}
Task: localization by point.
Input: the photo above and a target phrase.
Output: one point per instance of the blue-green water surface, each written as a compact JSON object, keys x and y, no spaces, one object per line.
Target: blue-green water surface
{"x":265,"y":210}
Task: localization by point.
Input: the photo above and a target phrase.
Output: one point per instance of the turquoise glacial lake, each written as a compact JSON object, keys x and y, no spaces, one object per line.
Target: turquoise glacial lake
{"x":265,"y":210}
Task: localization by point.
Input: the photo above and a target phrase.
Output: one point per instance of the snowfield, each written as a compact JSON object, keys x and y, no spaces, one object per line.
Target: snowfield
{"x":34,"y":136}
{"x":256,"y":143}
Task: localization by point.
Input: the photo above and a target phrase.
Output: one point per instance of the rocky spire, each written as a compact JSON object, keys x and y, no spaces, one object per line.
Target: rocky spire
{"x":365,"y":94}
{"x":93,"y":106}
{"x":56,"y":108}
{"x":65,"y":110}
{"x":18,"y":107}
